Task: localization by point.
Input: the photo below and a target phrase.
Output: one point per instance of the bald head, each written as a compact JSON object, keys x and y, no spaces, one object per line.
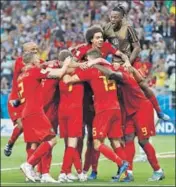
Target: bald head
{"x":31,"y":47}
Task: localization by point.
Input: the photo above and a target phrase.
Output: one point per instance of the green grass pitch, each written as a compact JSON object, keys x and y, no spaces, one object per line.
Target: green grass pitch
{"x":165,"y":147}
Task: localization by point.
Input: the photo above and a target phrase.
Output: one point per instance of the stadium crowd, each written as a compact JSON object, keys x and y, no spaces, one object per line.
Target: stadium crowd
{"x":54,"y":26}
{"x":60,"y":24}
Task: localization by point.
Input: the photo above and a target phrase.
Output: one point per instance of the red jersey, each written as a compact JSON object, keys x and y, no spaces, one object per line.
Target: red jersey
{"x":49,"y":87}
{"x":105,"y":91}
{"x":30,"y":90}
{"x":133,"y":96}
{"x":71,"y":95}
{"x":17,"y":70}
{"x":106,"y":49}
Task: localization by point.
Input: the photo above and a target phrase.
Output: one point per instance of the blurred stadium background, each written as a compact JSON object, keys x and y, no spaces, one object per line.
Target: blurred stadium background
{"x":56,"y":25}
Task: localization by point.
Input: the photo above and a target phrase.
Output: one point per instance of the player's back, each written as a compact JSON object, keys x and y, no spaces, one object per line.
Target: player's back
{"x":132,"y":93}
{"x":71,"y":96}
{"x":105,"y":91}
{"x":30,"y":91}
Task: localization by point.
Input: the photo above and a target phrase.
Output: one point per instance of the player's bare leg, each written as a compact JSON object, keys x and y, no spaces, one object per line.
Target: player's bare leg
{"x":17,"y":131}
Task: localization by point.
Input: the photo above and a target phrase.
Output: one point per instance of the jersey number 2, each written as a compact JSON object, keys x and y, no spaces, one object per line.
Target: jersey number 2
{"x":21,"y":86}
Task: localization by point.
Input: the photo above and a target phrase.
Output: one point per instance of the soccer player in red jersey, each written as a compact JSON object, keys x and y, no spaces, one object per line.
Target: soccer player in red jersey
{"x":13,"y":108}
{"x":36,"y":126}
{"x":94,"y":38}
{"x":136,"y":107}
{"x":70,"y":116}
{"x":107,"y":120}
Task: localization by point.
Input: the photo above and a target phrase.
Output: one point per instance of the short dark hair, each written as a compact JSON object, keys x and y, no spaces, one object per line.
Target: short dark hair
{"x":91,"y":31}
{"x":95,"y":53}
{"x":119,"y":9}
{"x":63,"y":54}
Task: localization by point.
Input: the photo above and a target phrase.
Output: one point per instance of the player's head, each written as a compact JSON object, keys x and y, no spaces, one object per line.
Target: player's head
{"x":94,"y":36}
{"x":30,"y":58}
{"x":116,"y":16}
{"x":31,"y":47}
{"x":93,"y":54}
{"x":63,"y":54}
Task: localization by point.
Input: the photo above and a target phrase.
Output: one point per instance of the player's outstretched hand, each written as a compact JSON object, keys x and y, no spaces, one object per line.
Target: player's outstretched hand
{"x":163,"y":116}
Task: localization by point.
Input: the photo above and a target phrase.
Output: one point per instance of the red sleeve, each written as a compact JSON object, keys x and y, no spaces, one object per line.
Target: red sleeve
{"x":86,"y":75}
{"x":17,"y":70}
{"x":81,"y":52}
{"x":111,"y":49}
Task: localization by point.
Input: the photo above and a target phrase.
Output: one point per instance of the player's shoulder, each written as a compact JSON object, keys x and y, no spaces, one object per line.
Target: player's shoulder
{"x":107,"y":26}
{"x":107,"y":44}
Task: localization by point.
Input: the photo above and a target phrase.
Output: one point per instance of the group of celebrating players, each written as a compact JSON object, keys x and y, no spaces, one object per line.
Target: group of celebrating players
{"x":81,"y":89}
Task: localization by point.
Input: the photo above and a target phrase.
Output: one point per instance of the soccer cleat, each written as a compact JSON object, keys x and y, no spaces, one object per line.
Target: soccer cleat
{"x":63,"y":178}
{"x":157,"y":176}
{"x":121,"y":170}
{"x":72,"y":177}
{"x":128,"y":178}
{"x":82,"y":177}
{"x":8,"y":150}
{"x":37,"y":176}
{"x":93,"y":175}
{"x":28,"y":171}
{"x":46,"y":178}
{"x":163,"y":116}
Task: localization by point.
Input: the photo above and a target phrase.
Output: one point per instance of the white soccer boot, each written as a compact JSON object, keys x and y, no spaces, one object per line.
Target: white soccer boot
{"x":63,"y":178}
{"x":72,"y":177}
{"x":46,"y":178}
{"x":28,"y":171}
{"x":82,"y":177}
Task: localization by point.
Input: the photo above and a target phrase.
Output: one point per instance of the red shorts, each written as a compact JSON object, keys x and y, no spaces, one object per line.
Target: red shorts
{"x":14,"y":112}
{"x":37,"y":128}
{"x":52,"y":115}
{"x":71,"y":123}
{"x":129,"y":126}
{"x":142,"y":122}
{"x":107,"y":123}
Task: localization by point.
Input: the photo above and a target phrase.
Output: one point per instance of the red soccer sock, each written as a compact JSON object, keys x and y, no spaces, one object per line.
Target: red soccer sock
{"x":151,"y":156}
{"x":155,"y":103}
{"x":88,"y":158}
{"x":109,"y":153}
{"x":15,"y":134}
{"x":77,"y":161}
{"x":29,"y":152}
{"x":40,"y":151}
{"x":121,"y":153}
{"x":46,"y":162}
{"x":95,"y":158}
{"x":130,"y":153}
{"x":67,"y":160}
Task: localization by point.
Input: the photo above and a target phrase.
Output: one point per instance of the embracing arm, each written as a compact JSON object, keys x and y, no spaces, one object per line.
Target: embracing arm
{"x":109,"y":73}
{"x":67,"y":79}
{"x":135,"y":52}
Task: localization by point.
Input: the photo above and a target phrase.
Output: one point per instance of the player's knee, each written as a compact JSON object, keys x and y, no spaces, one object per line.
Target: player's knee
{"x":115,"y":142}
{"x":19,"y":124}
{"x":96,"y":144}
{"x":129,"y":137}
{"x":143,"y":142}
{"x":53,"y":141}
{"x":72,"y":142}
